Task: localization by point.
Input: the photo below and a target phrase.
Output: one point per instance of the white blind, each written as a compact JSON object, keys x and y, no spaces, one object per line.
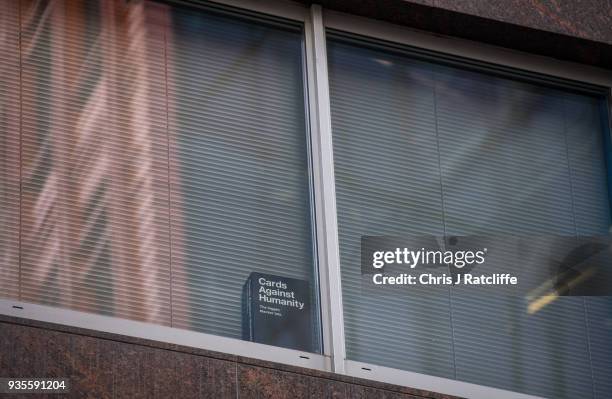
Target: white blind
{"x":241,"y":201}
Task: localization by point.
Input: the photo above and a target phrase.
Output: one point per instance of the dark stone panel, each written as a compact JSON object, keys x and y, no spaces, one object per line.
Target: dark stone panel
{"x":363,"y":388}
{"x":6,"y":348}
{"x":135,"y":369}
{"x":188,"y":371}
{"x":219,"y":379}
{"x":586,"y":19}
{"x":368,"y":392}
{"x":28,"y":353}
{"x":345,"y":379}
{"x":58,"y":354}
{"x":361,"y":392}
{"x":562,"y":30}
{"x":165,"y":375}
{"x":116,"y":337}
{"x":263,"y":383}
{"x":91,"y":367}
{"x":328,"y":389}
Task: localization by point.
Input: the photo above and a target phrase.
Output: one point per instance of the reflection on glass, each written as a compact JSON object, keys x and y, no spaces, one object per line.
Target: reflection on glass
{"x":93,"y":170}
{"x":9,"y":149}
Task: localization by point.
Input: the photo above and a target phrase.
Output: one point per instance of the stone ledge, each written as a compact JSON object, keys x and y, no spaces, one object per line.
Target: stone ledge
{"x":106,"y":365}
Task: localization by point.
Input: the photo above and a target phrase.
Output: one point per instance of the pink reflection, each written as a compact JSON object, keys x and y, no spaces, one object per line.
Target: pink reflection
{"x":95,"y":175}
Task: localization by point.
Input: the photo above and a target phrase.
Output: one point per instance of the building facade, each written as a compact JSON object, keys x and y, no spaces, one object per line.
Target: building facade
{"x":159,"y":154}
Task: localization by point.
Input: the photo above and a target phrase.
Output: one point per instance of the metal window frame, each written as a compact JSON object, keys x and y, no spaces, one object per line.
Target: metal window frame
{"x":155,"y":332}
{"x":325,"y":191}
{"x":468,"y":51}
{"x":316,"y":21}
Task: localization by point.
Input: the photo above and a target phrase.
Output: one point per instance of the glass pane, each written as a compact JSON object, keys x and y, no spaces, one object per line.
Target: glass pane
{"x":164,"y":161}
{"x":240,"y":193}
{"x":387,"y":183}
{"x":9,"y":149}
{"x":423,"y":149}
{"x":94,"y":159}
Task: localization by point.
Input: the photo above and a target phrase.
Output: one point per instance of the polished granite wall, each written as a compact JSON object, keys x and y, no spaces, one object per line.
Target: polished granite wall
{"x":102,"y":365}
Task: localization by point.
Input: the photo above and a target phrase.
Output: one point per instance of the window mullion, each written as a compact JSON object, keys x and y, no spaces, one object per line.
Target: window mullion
{"x":325,"y":193}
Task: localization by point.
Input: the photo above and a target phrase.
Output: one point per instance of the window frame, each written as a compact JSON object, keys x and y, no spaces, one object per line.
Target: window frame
{"x":316,"y":22}
{"x":542,"y":70}
{"x":264,"y":10}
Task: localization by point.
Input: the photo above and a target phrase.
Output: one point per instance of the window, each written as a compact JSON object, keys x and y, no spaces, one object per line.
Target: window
{"x":164,"y":159}
{"x":168,"y":151}
{"x":426,"y":148}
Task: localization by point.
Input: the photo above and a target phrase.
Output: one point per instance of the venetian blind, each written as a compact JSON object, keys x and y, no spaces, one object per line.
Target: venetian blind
{"x":153,"y":157}
{"x":9,"y":149}
{"x":241,"y":199}
{"x":421,"y":148}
